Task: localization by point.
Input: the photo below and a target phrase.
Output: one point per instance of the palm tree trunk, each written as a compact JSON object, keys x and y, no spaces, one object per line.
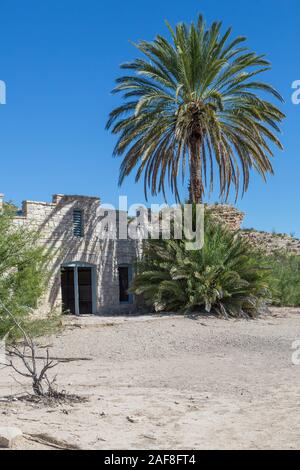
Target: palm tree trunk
{"x":195,"y":185}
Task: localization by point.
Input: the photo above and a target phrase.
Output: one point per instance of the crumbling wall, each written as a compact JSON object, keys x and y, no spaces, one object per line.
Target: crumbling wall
{"x":272,"y":242}
{"x":227,"y":214}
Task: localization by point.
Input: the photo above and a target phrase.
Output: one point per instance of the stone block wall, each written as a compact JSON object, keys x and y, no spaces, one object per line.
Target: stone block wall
{"x":227,"y":214}
{"x":54,"y":222}
{"x":272,"y":242}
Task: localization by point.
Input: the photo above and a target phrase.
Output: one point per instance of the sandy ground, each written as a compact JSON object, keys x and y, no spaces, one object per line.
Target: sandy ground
{"x":170,"y":383}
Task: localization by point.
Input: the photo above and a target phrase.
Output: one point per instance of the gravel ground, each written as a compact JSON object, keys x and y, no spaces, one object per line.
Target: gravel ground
{"x":170,"y":383}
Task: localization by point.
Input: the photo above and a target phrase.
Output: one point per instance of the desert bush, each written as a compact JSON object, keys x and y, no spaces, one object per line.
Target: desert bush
{"x":226,"y":276}
{"x":23,"y":270}
{"x":286,"y":279}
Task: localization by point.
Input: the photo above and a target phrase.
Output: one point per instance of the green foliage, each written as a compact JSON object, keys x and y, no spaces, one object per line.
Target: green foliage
{"x":286,"y":279}
{"x":190,"y":100}
{"x":226,"y":276}
{"x":34,"y":327}
{"x":10,"y":208}
{"x":23,"y":271}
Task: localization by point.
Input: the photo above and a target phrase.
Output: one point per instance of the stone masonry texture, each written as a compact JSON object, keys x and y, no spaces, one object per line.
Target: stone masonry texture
{"x":54,"y":222}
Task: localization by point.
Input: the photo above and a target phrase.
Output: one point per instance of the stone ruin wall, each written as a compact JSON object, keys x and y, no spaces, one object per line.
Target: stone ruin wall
{"x":272,"y":242}
{"x":268,"y":242}
{"x":54,"y":223}
{"x":227,"y":214}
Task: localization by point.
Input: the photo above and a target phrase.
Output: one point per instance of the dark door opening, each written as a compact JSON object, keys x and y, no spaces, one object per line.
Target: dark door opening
{"x":85,"y":291}
{"x":76,"y":290}
{"x":67,"y":290}
{"x":123,"y":283}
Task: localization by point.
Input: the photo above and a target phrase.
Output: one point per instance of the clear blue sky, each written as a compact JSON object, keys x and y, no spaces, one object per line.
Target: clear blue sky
{"x":59,"y":59}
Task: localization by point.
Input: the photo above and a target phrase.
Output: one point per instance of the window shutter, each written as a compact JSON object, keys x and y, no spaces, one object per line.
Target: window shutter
{"x":78,"y":223}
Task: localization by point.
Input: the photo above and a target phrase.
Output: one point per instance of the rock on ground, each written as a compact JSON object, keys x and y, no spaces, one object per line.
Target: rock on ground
{"x":8,"y":436}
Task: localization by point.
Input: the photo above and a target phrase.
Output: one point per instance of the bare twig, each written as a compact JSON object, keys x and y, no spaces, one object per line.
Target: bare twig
{"x":28,"y":358}
{"x":50,"y":441}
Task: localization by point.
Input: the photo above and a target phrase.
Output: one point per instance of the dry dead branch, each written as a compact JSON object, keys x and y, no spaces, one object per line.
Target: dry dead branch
{"x":26,"y":353}
{"x":50,"y":441}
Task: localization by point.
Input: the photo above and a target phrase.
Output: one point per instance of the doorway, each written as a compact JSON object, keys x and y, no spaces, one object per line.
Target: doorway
{"x":67,"y":290}
{"x":125,"y":276}
{"x":78,"y":289}
{"x":85,"y":291}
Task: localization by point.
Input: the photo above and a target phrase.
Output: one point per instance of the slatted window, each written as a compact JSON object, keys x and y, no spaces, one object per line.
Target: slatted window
{"x":78,"y":229}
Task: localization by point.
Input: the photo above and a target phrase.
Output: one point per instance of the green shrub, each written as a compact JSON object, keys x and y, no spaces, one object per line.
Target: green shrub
{"x":286,"y":279}
{"x":226,"y":276}
{"x":23,"y":271}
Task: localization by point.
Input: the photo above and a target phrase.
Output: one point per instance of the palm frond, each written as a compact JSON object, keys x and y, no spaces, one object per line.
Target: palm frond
{"x":226,"y":276}
{"x":195,"y":99}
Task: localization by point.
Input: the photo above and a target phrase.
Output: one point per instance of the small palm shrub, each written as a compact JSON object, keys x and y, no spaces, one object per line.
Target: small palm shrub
{"x":226,"y":276}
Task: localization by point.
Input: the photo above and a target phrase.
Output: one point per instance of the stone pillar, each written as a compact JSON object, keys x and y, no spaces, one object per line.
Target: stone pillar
{"x":56,"y":198}
{"x":1,"y":202}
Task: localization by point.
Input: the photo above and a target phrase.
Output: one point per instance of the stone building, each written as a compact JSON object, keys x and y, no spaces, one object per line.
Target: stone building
{"x":91,"y":270}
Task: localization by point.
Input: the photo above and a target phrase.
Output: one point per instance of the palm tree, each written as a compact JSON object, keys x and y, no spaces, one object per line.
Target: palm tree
{"x":194,"y":102}
{"x":226,"y":276}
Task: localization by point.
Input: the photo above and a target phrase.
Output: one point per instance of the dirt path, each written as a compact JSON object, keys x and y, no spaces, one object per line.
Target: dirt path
{"x":171,"y":383}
